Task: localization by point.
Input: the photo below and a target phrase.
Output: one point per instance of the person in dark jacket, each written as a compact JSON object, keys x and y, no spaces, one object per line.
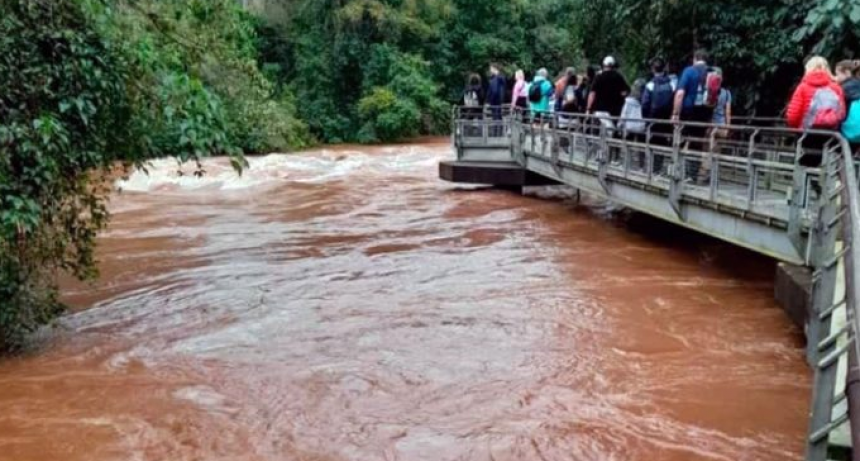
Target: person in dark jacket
{"x":472,"y":104}
{"x":561,"y":84}
{"x":496,"y":97}
{"x":847,"y":73}
{"x":657,"y":102}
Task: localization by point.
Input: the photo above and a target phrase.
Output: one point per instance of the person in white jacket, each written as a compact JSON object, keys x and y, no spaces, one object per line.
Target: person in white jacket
{"x":632,"y":124}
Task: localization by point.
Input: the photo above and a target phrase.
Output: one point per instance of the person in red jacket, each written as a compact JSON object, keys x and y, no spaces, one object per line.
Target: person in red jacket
{"x":817,"y":76}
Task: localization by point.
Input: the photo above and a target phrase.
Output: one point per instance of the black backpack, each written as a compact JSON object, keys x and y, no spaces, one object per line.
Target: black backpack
{"x":662,"y":98}
{"x":536,"y":92}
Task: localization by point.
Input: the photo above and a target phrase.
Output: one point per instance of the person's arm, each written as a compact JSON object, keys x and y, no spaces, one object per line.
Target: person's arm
{"x":794,"y":112}
{"x":729,"y":110}
{"x":595,"y":88}
{"x":680,"y":94}
{"x":679,"y":103}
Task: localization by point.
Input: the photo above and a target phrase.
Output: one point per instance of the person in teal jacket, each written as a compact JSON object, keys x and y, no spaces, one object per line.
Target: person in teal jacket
{"x":540,"y":106}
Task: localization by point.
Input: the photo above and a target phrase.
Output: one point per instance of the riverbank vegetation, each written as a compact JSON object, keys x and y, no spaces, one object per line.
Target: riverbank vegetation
{"x":89,"y":87}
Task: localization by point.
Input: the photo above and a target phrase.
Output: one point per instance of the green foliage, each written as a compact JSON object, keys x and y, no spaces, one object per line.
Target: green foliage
{"x":759,"y":44}
{"x":64,"y":112}
{"x":92,"y":86}
{"x":831,"y":27}
{"x":349,"y":57}
{"x":327,"y":45}
{"x":399,"y":97}
{"x":207,"y":49}
{"x":387,"y":117}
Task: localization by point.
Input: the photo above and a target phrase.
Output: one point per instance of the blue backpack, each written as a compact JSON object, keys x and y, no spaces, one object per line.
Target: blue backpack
{"x":851,"y":126}
{"x":662,"y":98}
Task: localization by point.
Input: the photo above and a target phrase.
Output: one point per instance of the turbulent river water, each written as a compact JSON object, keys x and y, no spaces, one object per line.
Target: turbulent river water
{"x":345,"y":304}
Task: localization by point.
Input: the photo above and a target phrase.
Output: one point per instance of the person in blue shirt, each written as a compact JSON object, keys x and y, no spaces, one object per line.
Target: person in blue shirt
{"x":689,"y":107}
{"x":692,"y":79}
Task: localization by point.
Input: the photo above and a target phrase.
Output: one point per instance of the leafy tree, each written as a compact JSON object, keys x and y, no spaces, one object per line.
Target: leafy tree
{"x":92,"y":87}
{"x":65,"y":114}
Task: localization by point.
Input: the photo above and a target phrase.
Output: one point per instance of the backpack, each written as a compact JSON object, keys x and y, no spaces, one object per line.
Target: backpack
{"x":851,"y":127}
{"x":536,"y":92}
{"x":825,"y":112}
{"x":710,"y":84}
{"x":632,"y":117}
{"x":662,"y":98}
{"x":471,"y":98}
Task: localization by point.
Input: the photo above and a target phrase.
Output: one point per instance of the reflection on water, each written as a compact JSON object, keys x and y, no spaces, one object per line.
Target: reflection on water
{"x":346,"y":305}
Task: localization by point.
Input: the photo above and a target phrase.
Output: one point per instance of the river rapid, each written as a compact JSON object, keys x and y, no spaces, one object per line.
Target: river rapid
{"x":344,"y":304}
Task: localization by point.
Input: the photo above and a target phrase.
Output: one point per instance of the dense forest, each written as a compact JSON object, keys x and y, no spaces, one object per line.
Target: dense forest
{"x":93,"y":88}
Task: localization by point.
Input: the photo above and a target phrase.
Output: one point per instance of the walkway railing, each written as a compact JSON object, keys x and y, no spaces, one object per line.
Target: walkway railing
{"x":803,"y":185}
{"x":836,"y":292}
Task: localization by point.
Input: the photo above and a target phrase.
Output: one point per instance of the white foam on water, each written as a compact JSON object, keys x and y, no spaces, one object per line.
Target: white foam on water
{"x":311,"y":167}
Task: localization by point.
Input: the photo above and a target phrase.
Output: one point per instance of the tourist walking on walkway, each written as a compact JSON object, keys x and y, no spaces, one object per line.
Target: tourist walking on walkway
{"x":568,"y":96}
{"x":631,"y":125}
{"x":561,"y":84}
{"x":473,"y":96}
{"x":723,"y":109}
{"x":818,"y":103}
{"x":568,"y":104}
{"x":722,"y":114}
{"x":520,"y":95}
{"x":473,"y":104}
{"x":722,"y":118}
{"x":540,"y":92}
{"x":847,"y":76}
{"x":658,"y":98}
{"x":695,"y":100}
{"x":496,"y":98}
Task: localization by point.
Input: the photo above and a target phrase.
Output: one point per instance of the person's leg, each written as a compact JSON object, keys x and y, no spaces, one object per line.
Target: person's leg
{"x":498,"y":130}
{"x":813,"y":150}
{"x":661,"y":136}
{"x":695,"y":140}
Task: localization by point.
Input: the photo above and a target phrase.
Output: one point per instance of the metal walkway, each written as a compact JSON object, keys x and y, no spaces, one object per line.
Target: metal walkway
{"x":743,"y":184}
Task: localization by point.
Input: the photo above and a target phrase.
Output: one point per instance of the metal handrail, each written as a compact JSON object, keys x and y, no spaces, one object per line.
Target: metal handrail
{"x":484,"y":110}
{"x":732,"y":127}
{"x":851,"y":235}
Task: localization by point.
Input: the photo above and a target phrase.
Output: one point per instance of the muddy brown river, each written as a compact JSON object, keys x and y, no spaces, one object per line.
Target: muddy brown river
{"x":346,"y":305}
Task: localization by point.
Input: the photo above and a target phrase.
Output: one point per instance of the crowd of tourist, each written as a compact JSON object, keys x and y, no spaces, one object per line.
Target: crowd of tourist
{"x":822,"y":101}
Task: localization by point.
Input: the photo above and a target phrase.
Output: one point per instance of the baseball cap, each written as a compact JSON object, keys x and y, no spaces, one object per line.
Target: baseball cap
{"x":609,"y":61}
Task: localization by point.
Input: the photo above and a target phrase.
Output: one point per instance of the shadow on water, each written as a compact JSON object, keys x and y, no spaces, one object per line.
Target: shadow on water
{"x":733,"y":260}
